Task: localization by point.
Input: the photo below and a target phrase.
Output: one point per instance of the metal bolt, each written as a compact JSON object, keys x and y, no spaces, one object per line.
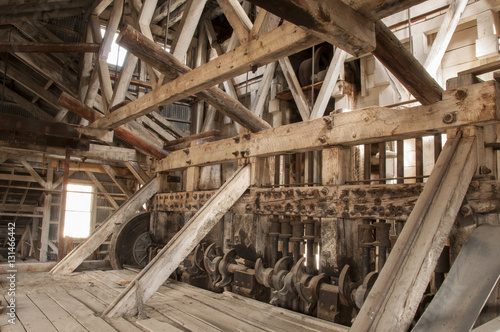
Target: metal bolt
{"x":484,"y":170}
{"x":322,"y":139}
{"x":329,"y":122}
{"x":461,"y":94}
{"x":466,"y":210}
{"x":247,"y":137}
{"x":324,"y":191}
{"x":449,"y":118}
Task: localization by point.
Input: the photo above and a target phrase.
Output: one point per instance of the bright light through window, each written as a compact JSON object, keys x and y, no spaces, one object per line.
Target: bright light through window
{"x":117,"y":53}
{"x":78,"y":211}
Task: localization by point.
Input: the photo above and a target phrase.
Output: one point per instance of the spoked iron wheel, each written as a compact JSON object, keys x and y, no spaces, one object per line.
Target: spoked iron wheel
{"x":130,"y":243}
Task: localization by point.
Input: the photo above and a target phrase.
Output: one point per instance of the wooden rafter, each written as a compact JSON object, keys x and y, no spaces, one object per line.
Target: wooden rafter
{"x":151,"y":53}
{"x":280,"y":42}
{"x":34,"y":47}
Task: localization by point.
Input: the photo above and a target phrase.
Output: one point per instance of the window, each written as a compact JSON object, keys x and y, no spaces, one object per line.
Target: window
{"x":117,"y":53}
{"x":78,"y":211}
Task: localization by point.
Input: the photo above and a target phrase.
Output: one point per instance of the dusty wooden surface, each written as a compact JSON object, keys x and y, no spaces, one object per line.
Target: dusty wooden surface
{"x":74,"y":303}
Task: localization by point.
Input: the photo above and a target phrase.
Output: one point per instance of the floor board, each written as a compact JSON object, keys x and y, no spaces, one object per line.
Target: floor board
{"x":74,"y":303}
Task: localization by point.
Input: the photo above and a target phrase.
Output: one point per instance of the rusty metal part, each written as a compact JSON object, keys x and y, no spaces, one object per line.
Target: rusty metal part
{"x":346,"y":287}
{"x":263,"y":275}
{"x":362,"y":291}
{"x":211,"y":262}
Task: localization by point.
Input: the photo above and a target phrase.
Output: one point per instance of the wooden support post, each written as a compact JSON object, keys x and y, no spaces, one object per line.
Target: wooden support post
{"x":47,"y":202}
{"x":169,"y":258}
{"x":126,"y":210}
{"x":395,"y":296}
{"x":335,"y":163}
{"x":62,"y":208}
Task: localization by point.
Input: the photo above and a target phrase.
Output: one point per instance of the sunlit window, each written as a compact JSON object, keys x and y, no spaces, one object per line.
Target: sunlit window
{"x":78,"y":211}
{"x":117,"y":53}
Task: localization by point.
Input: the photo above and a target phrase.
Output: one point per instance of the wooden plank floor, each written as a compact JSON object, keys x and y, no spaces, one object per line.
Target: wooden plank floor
{"x":74,"y":303}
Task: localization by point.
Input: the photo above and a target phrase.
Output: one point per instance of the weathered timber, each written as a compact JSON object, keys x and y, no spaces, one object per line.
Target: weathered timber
{"x":268,"y":47}
{"x":48,"y":47}
{"x":153,"y":54}
{"x":23,"y":124}
{"x":391,"y":202}
{"x":376,"y":10}
{"x":475,"y":104}
{"x":46,"y":266}
{"x":125,"y":134}
{"x":389,"y":50}
{"x":403,"y":65}
{"x":214,"y":133}
{"x":333,"y":21}
{"x":125,"y":212}
{"x":395,"y":296}
{"x":177,"y":249}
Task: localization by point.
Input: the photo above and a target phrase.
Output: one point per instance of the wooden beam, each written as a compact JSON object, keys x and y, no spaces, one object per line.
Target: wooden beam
{"x":26,"y":81}
{"x":403,"y":65}
{"x":394,"y":298}
{"x":47,"y":67}
{"x":150,"y":52}
{"x":125,"y":134}
{"x":34,"y":47}
{"x":103,"y":190}
{"x":168,"y":259}
{"x":119,"y":183}
{"x":26,"y":104}
{"x":443,"y":38}
{"x":294,"y":86}
{"x":127,"y":70}
{"x":138,"y":172}
{"x":332,"y":75}
{"x":187,"y":27}
{"x":376,"y":10}
{"x":389,"y":50}
{"x":269,"y":47}
{"x":333,"y":21}
{"x":162,"y":11}
{"x":34,"y":174}
{"x":45,"y":15}
{"x":122,"y":214}
{"x":265,"y":85}
{"x":369,"y":125}
{"x":237,"y":18}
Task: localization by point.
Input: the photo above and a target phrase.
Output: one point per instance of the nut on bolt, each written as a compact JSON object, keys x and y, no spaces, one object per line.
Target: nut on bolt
{"x":461,"y":94}
{"x":449,"y":118}
{"x":322,"y":139}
